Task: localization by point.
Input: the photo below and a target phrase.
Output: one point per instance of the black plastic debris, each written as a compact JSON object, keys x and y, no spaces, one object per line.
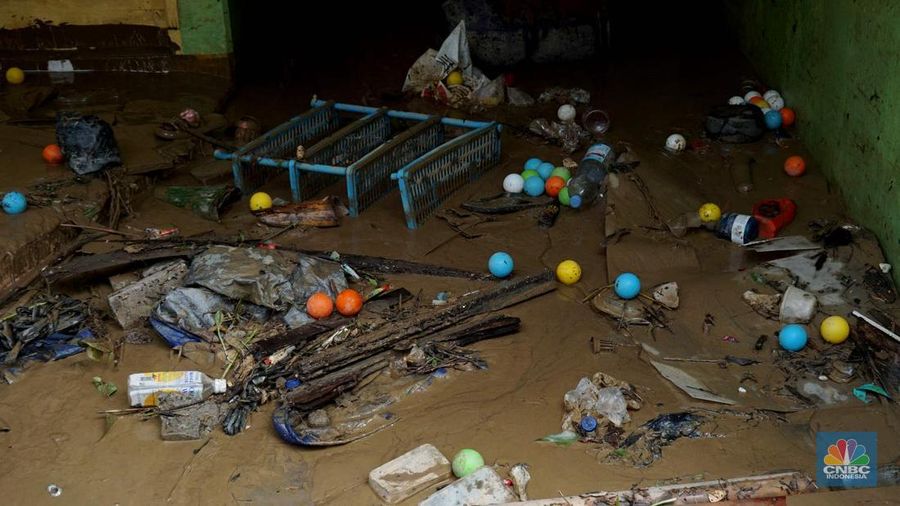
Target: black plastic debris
{"x":48,"y":328}
{"x":87,"y":142}
{"x":735,"y":123}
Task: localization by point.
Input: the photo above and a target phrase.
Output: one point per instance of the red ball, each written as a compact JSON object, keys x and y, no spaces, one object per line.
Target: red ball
{"x":349,"y":302}
{"x":52,"y":154}
{"x":554,"y":185}
{"x":787,"y":116}
{"x":319,"y":305}
{"x":795,"y":166}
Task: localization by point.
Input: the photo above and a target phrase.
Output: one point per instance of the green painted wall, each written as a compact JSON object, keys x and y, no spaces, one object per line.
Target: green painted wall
{"x":205,"y":27}
{"x":838,"y":63}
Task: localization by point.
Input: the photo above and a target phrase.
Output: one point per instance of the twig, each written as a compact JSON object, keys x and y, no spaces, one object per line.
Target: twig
{"x":101,"y":229}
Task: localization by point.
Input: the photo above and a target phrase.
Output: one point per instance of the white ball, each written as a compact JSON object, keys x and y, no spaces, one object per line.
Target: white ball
{"x":769,"y":94}
{"x":736,"y":100}
{"x":751,"y":94}
{"x":776,"y":102}
{"x":675,"y":143}
{"x":565,"y":113}
{"x":513,"y":183}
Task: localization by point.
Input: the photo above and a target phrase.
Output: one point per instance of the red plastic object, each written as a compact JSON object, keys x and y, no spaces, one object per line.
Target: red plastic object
{"x":773,"y":215}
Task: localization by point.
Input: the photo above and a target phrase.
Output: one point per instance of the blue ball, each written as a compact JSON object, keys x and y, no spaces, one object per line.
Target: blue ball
{"x":773,"y":119}
{"x":14,"y":203}
{"x":500,"y":264}
{"x":627,"y":285}
{"x":792,"y":337}
{"x":533,"y":163}
{"x":534,"y":186}
{"x":545,"y":169}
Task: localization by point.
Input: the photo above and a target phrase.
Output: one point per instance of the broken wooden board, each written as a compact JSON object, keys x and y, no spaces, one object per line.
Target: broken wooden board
{"x":106,"y":264}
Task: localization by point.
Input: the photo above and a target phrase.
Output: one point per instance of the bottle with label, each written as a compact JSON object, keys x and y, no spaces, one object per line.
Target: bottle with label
{"x":143,"y":387}
{"x":738,"y":228}
{"x":590,"y":179}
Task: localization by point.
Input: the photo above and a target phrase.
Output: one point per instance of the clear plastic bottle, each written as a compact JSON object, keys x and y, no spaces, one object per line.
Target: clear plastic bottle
{"x":143,"y":387}
{"x":588,"y":182}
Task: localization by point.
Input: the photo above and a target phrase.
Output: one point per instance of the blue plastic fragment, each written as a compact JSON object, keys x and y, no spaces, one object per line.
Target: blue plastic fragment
{"x":292,"y":383}
{"x":56,"y":346}
{"x":281,"y":420}
{"x":440,"y":372}
{"x":173,"y":335}
{"x":861,"y":392}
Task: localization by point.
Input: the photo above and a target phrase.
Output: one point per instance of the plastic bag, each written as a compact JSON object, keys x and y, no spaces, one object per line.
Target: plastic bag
{"x":589,"y":399}
{"x":492,"y":94}
{"x":205,"y":201}
{"x":735,"y":123}
{"x":518,"y":98}
{"x":434,"y":66}
{"x":87,"y":142}
{"x":569,"y":135}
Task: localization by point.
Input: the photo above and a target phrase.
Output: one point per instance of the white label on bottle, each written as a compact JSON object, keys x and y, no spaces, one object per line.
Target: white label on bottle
{"x":738,"y":226}
{"x":598,"y":152}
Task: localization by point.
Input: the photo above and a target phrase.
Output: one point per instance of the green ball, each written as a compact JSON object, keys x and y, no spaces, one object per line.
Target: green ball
{"x":529,"y":173}
{"x":562,"y":172}
{"x":466,"y":462}
{"x":564,"y":196}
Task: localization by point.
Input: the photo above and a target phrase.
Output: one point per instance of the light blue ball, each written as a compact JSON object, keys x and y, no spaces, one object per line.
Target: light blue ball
{"x":533,"y":163}
{"x":792,"y":337}
{"x":500,"y":264}
{"x":773,"y":119}
{"x":14,"y":203}
{"x":545,"y":169}
{"x":534,"y":186}
{"x":627,"y":285}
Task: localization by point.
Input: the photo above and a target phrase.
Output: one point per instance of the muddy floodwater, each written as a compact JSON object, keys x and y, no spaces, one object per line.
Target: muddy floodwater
{"x":56,"y":436}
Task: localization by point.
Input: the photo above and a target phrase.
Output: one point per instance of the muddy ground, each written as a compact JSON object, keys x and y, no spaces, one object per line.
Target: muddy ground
{"x":56,"y":436}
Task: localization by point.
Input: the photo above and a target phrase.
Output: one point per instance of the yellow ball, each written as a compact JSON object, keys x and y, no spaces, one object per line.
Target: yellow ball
{"x":835,"y":329}
{"x":15,"y":75}
{"x":568,"y":272}
{"x":454,"y":78}
{"x":260,"y":201}
{"x":709,"y":212}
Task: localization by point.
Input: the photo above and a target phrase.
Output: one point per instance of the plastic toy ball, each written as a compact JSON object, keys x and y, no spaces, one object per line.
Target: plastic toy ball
{"x":769,"y":94}
{"x":533,"y":163}
{"x":454,"y":78}
{"x":759,"y":102}
{"x":795,"y":166}
{"x":568,"y":272}
{"x":319,"y":305}
{"x":675,"y":143}
{"x":788,"y":116}
{"x":562,"y":172}
{"x":773,"y":119}
{"x":349,"y":302}
{"x":835,"y":329}
{"x":534,"y":186}
{"x":565,"y":113}
{"x":627,"y":285}
{"x":736,"y":100}
{"x":14,"y":203}
{"x":530,"y":173}
{"x":500,"y":264}
{"x":545,"y":169}
{"x":260,"y":201}
{"x":776,"y":102}
{"x":15,"y":75}
{"x":52,"y":154}
{"x":751,"y":94}
{"x":564,"y":196}
{"x":792,"y":337}
{"x":709,"y":213}
{"x":554,"y":185}
{"x":513,"y":183}
{"x":466,"y":462}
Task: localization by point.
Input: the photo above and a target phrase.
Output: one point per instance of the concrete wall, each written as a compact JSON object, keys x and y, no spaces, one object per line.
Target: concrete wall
{"x":838,"y":63}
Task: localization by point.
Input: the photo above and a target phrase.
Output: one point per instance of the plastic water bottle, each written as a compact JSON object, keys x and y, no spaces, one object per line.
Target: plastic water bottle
{"x":588,"y":182}
{"x":143,"y":387}
{"x":738,"y":228}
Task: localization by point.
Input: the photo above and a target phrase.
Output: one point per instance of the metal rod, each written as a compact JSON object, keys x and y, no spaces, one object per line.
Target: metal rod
{"x":876,"y":325}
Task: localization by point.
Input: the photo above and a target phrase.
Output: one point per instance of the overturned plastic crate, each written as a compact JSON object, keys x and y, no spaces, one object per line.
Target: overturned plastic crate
{"x":427,"y":181}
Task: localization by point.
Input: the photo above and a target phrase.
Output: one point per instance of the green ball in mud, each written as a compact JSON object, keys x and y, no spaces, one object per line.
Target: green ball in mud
{"x":466,"y":462}
{"x":564,"y":196}
{"x":528,"y":173}
{"x":562,"y":172}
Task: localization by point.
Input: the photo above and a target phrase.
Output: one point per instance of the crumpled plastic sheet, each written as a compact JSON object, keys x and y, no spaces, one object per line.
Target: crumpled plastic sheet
{"x":87,"y":142}
{"x":570,"y":134}
{"x":249,"y":274}
{"x":56,"y":346}
{"x":194,"y":309}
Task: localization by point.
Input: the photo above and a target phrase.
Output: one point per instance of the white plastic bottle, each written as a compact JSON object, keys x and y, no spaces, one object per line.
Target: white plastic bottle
{"x":143,"y":387}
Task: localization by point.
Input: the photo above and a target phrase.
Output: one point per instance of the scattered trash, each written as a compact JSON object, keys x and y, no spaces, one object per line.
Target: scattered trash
{"x":205,"y":201}
{"x":54,"y":490}
{"x":861,"y":392}
{"x":730,"y":339}
{"x":106,"y":388}
{"x":689,"y":384}
{"x":184,"y":418}
{"x":518,"y":98}
{"x":310,"y":213}
{"x":482,"y":487}
{"x":596,"y":122}
{"x":414,"y":471}
{"x":87,"y":142}
{"x":789,"y":243}
{"x":826,"y":393}
{"x":735,"y":123}
{"x":133,"y":303}
{"x":590,"y":181}
{"x":578,"y":96}
{"x":738,"y":228}
{"x":144,"y":388}
{"x":797,"y":306}
{"x":772,"y":215}
{"x":569,"y":135}
{"x":47,"y":328}
{"x":520,"y":478}
{"x":563,"y":438}
{"x":765,"y":305}
{"x":602,"y":397}
{"x":667,"y":295}
{"x":645,"y":444}
{"x":161,"y":233}
{"x":877,"y":325}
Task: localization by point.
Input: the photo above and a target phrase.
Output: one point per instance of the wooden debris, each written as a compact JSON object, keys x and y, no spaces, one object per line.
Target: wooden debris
{"x":309,"y":213}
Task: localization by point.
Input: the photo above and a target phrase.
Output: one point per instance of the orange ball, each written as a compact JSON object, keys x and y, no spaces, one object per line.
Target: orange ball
{"x":788,"y":116}
{"x":759,"y":102}
{"x":349,"y":302}
{"x":52,"y":154}
{"x":795,"y":166}
{"x":553,"y":185}
{"x":319,"y":305}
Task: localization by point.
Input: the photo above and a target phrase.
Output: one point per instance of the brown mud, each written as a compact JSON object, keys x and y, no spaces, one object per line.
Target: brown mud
{"x":56,"y":435}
